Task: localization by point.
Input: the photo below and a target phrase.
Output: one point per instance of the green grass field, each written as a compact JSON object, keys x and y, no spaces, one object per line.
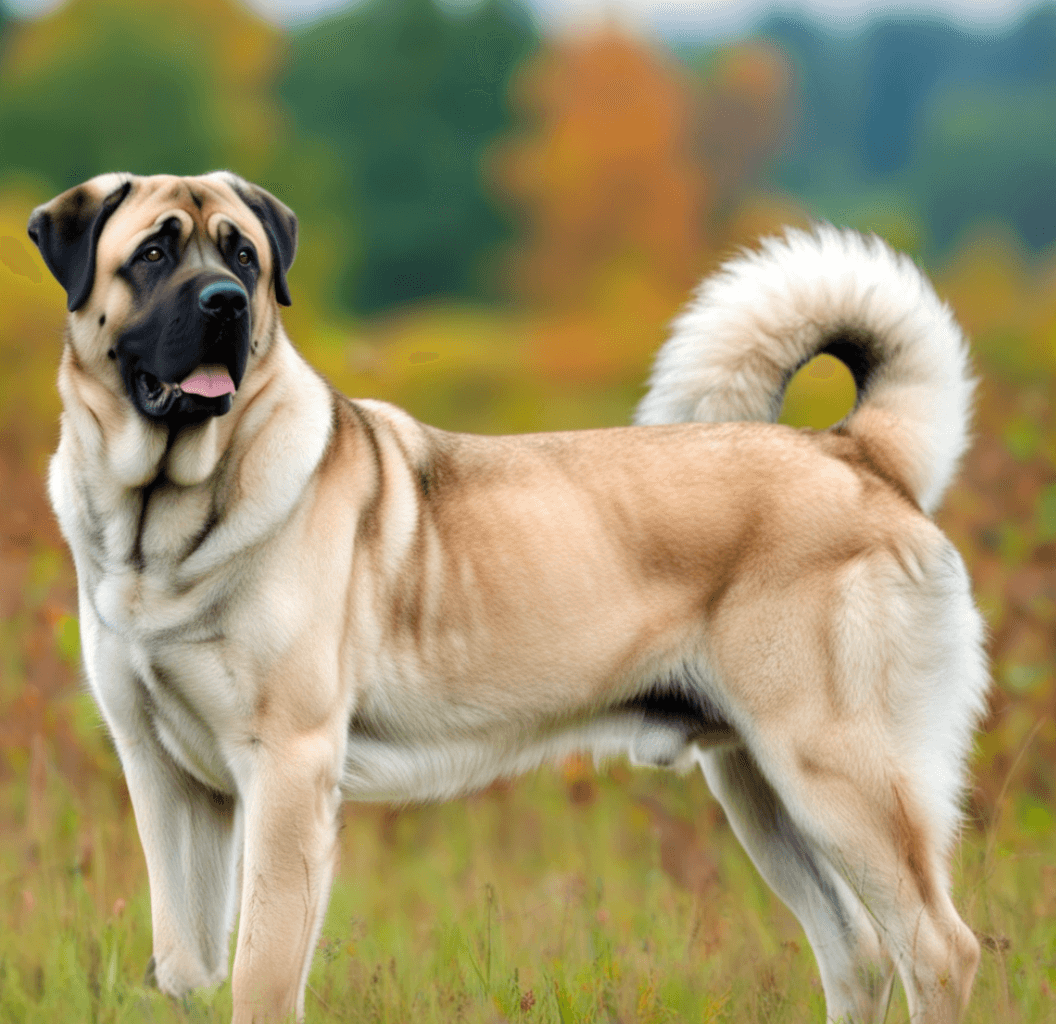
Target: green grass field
{"x":570,"y":896}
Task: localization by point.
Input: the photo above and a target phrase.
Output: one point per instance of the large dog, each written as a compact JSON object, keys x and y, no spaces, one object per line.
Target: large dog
{"x":288,"y":598}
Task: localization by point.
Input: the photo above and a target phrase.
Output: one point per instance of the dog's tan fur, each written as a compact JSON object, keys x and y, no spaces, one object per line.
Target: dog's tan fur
{"x":310,"y":598}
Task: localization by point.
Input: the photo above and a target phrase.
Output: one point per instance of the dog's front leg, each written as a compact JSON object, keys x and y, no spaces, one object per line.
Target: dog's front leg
{"x":189,"y":835}
{"x":189,"y":832}
{"x":291,"y":801}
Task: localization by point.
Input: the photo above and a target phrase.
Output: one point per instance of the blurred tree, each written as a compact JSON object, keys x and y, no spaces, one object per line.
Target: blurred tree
{"x":989,"y":151}
{"x":828,"y":82}
{"x":631,"y":159}
{"x":409,"y":96}
{"x":610,"y":169}
{"x":103,"y":85}
{"x":744,"y":119}
{"x":625,"y":182}
{"x":5,"y":20}
{"x":905,"y":64}
{"x":926,"y":117}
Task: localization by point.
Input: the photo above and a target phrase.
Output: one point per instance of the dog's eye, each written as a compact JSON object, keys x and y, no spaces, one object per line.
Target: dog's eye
{"x":152,"y":255}
{"x":245,"y":257}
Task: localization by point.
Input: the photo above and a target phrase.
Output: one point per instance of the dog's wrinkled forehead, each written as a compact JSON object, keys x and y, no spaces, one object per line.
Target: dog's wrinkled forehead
{"x":207,"y":210}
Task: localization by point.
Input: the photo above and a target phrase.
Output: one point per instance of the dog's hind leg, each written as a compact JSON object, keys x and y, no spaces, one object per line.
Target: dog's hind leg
{"x":856,"y":971}
{"x":865,"y":816}
{"x":858,"y":725}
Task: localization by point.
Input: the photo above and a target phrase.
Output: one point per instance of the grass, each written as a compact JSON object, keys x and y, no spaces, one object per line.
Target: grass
{"x":567,"y":897}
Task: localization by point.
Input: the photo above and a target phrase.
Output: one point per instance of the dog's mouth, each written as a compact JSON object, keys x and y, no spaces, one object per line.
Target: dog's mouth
{"x":184,"y":361}
{"x":209,"y":380}
{"x":210,"y":385}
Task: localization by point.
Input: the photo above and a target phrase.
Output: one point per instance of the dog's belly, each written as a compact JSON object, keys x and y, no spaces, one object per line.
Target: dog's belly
{"x":661,"y":731}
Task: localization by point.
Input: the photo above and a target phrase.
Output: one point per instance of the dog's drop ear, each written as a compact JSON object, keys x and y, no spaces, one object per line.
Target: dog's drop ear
{"x":67,"y":230}
{"x":280,"y":223}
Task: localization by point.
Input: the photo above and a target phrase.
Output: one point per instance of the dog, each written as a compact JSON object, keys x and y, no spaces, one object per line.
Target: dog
{"x":288,"y":598}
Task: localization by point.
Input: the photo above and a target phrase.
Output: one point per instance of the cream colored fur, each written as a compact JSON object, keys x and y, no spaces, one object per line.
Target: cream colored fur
{"x":765,"y":314}
{"x":308,"y":599}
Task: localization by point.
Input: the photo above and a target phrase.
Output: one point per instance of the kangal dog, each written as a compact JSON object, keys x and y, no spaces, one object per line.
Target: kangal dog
{"x":288,"y":598}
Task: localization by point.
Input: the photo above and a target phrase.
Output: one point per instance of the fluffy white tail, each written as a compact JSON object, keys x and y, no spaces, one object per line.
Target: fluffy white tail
{"x":765,"y":314}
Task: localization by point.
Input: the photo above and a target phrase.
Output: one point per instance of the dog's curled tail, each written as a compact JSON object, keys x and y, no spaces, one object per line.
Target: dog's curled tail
{"x":765,"y":314}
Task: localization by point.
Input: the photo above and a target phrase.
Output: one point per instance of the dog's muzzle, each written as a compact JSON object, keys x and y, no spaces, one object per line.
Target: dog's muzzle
{"x":183,"y":362}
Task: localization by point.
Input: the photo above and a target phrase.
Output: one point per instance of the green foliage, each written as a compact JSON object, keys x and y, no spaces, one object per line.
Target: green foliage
{"x":1046,"y":515}
{"x":86,"y":116}
{"x":134,"y":94}
{"x":987,"y":151}
{"x":68,"y":640}
{"x":410,"y":98}
{"x":1022,"y":437}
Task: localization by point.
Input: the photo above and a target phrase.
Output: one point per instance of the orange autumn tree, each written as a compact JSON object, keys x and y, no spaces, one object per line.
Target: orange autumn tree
{"x":618,"y":180}
{"x":744,"y":118}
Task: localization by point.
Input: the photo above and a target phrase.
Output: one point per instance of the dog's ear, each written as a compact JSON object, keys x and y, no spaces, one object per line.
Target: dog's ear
{"x":67,"y":230}
{"x":280,"y":223}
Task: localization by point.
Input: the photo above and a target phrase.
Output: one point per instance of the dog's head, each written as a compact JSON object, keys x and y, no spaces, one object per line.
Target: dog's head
{"x":171,"y":281}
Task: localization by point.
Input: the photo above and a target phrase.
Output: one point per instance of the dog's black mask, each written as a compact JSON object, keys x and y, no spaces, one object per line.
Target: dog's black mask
{"x":188,"y":319}
{"x":181,"y":332}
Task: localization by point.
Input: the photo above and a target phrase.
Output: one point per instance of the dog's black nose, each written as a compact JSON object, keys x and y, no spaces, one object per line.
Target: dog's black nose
{"x":222,"y":299}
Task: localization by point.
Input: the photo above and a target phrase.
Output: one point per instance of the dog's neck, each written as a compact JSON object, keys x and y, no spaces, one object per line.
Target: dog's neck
{"x":111,"y":461}
{"x":105,"y":431}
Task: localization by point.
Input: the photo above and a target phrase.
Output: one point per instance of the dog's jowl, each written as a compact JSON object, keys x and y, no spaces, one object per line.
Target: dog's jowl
{"x":288,"y":598}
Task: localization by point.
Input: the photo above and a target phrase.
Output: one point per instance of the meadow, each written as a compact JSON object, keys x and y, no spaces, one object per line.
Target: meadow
{"x":570,"y":896}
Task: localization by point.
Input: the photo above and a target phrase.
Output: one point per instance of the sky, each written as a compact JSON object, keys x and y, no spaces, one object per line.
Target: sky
{"x":718,"y":18}
{"x":696,"y":18}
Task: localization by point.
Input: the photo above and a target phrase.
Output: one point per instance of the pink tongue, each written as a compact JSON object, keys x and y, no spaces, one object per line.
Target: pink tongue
{"x":210,"y":383}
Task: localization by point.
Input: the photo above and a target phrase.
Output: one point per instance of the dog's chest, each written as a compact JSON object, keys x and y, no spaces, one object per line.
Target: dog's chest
{"x":151,"y":606}
{"x":176,"y":650}
{"x":192,"y":696}
{"x":131,"y":552}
